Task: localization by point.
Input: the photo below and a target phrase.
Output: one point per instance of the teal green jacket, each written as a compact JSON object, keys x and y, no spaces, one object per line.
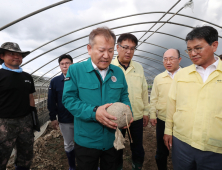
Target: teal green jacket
{"x":82,"y":92}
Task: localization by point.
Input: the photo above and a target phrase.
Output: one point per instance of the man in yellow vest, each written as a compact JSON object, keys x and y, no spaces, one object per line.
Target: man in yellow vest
{"x":194,"y":109}
{"x":158,"y":100}
{"x":138,"y":95}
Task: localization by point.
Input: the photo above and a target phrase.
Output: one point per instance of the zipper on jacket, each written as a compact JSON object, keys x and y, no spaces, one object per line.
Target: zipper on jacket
{"x":101,"y":83}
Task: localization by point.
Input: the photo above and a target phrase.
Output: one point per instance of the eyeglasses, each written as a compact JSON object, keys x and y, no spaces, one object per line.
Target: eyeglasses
{"x":171,"y":59}
{"x":68,"y":63}
{"x":126,"y":48}
{"x":196,"y":50}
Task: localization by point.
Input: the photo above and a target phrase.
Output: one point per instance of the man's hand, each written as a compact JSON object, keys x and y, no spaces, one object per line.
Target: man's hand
{"x":105,"y":118}
{"x":131,"y":121}
{"x":55,"y":124}
{"x":153,"y":122}
{"x":168,"y":141}
{"x":145,"y":120}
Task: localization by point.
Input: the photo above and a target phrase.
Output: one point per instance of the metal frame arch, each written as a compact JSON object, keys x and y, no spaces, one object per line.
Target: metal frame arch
{"x":159,"y":20}
{"x":151,"y":59}
{"x":149,"y":71}
{"x":33,"y":13}
{"x":111,"y":28}
{"x":149,"y":74}
{"x":146,"y":65}
{"x":57,"y":58}
{"x":60,"y":71}
{"x":132,"y":15}
{"x":56,"y":74}
{"x":117,"y":35}
{"x":57,"y":66}
{"x":86,"y":53}
{"x":83,"y":54}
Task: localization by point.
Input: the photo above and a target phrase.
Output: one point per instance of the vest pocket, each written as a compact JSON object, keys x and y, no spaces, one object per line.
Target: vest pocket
{"x":89,"y":86}
{"x":88,"y":92}
{"x":114,"y":92}
{"x":182,"y":122}
{"x":215,"y":131}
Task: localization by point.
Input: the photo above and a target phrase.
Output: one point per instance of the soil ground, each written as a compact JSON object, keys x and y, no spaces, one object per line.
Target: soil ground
{"x":50,"y":154}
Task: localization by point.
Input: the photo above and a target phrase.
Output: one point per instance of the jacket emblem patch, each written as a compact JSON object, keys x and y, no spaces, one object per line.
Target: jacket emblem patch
{"x":67,"y":79}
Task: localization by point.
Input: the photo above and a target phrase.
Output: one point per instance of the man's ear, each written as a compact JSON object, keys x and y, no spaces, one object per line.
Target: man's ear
{"x":215,"y":45}
{"x":117,"y":48}
{"x":89,"y":48}
{"x":180,"y":60}
{"x":2,"y":56}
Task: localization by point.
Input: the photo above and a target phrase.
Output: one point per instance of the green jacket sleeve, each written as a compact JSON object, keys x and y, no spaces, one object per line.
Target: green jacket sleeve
{"x":71,"y":101}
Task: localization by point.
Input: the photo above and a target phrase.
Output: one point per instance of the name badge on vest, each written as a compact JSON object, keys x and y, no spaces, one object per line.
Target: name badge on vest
{"x":114,"y":79}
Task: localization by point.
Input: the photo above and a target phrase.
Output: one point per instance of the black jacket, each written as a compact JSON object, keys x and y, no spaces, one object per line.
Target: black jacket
{"x":55,"y":105}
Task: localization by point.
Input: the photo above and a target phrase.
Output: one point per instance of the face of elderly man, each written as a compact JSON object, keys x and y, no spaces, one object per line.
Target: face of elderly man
{"x":171,"y":60}
{"x":101,"y":51}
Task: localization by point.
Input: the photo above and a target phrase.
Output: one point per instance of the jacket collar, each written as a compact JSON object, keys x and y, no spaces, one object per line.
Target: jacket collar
{"x":61,"y":77}
{"x":165,"y":74}
{"x":192,"y":68}
{"x":219,"y":66}
{"x":116,"y":62}
{"x":89,"y":67}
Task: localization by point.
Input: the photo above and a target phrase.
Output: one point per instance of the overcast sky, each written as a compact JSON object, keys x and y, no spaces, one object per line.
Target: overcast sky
{"x":48,"y":25}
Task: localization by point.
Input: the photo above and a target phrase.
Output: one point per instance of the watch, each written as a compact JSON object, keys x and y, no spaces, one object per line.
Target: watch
{"x":95,"y":108}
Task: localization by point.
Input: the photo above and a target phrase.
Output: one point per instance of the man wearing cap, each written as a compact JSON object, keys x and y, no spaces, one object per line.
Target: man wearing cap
{"x":16,"y":103}
{"x":56,"y":108}
{"x":138,"y":95}
{"x":158,"y":100}
{"x":91,"y":87}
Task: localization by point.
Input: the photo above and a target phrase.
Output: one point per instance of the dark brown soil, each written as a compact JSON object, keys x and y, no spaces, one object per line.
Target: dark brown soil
{"x":149,"y":144}
{"x":50,"y":154}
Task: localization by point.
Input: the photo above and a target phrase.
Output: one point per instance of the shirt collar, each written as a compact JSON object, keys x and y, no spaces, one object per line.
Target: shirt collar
{"x":125,"y":67}
{"x":19,"y":70}
{"x":170,"y":74}
{"x":215,"y":64}
{"x":96,"y":68}
{"x":116,"y":62}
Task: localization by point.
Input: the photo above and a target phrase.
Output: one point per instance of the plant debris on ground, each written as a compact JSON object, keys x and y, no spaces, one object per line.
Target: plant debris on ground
{"x":49,"y":152}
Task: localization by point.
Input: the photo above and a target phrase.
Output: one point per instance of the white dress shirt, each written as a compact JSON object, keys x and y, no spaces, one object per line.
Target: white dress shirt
{"x":172,"y":75}
{"x":102,"y":72}
{"x":204,"y":73}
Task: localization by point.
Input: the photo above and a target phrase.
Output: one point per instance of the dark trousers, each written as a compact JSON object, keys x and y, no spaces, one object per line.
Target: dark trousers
{"x":16,"y":133}
{"x":136,"y":131}
{"x":185,"y":157}
{"x":162,"y":152}
{"x":88,"y":158}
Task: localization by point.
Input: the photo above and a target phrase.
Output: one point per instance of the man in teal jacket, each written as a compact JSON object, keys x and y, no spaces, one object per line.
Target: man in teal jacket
{"x":91,"y":87}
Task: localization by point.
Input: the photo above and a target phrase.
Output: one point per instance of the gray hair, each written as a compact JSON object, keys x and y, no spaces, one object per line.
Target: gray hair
{"x":105,"y":31}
